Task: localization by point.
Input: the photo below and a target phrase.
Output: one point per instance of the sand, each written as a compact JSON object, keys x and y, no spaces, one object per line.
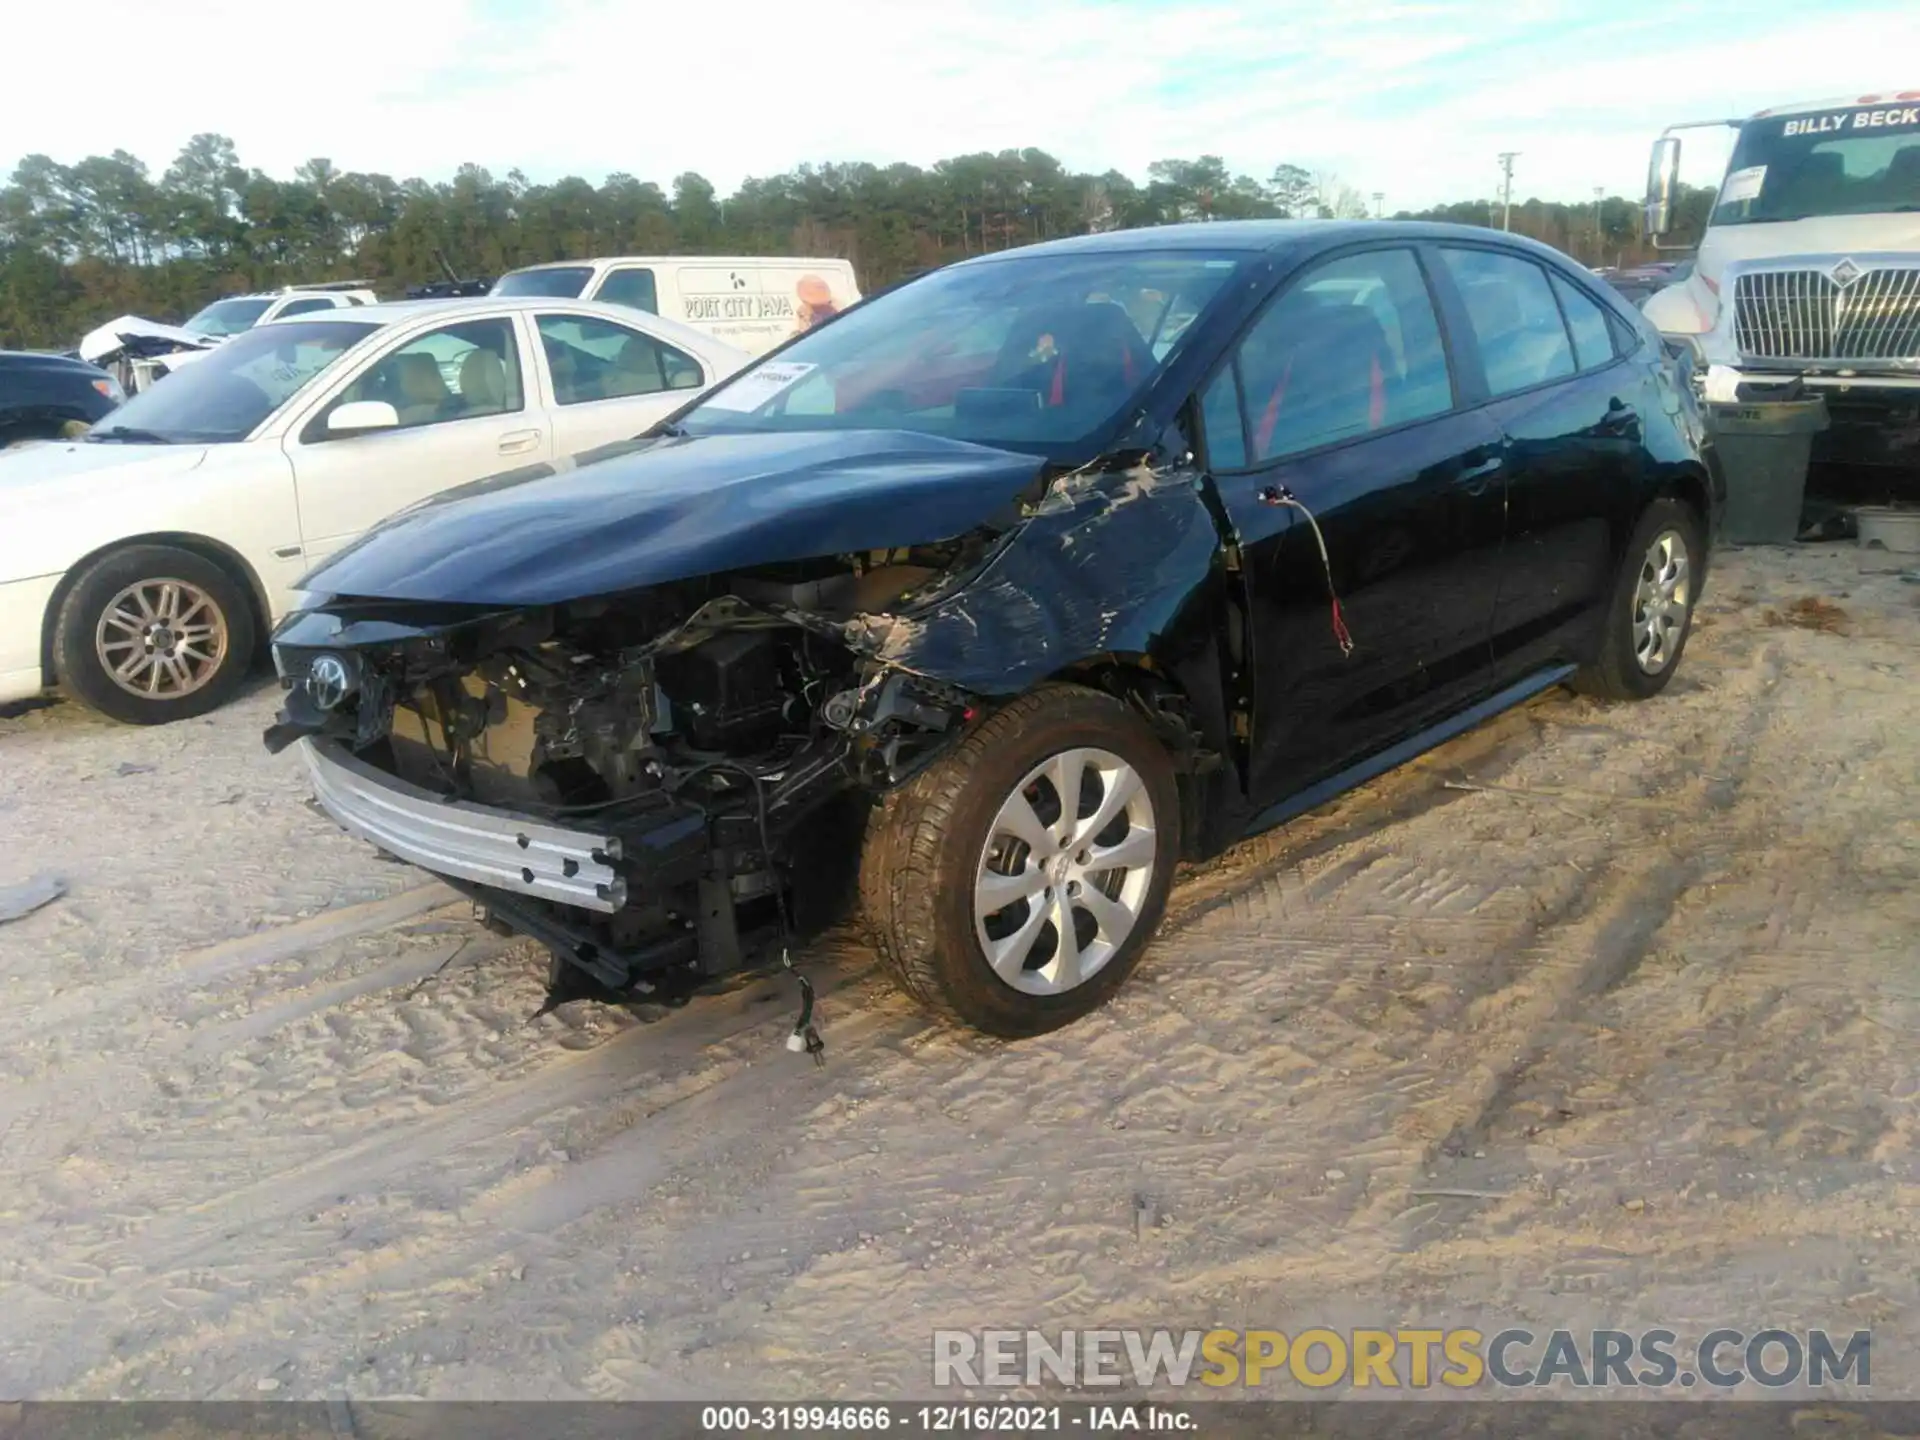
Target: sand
{"x":1624,"y":1035}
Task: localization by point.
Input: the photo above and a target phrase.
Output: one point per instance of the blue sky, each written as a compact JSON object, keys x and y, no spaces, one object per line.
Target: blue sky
{"x":1413,"y":98}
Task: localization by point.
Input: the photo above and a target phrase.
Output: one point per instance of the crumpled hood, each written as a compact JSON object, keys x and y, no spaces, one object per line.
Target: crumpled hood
{"x":649,"y":512}
{"x":140,"y":336}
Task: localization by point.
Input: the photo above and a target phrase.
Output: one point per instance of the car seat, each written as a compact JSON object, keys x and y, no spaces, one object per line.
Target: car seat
{"x":1813,"y":186}
{"x":423,"y":392}
{"x":1095,"y":359}
{"x":1518,"y":349}
{"x":1901,"y":184}
{"x":636,"y":368}
{"x":483,"y":384}
{"x":1321,"y":375}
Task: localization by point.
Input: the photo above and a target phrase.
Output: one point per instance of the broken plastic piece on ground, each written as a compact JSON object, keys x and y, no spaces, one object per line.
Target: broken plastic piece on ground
{"x":29,"y":896}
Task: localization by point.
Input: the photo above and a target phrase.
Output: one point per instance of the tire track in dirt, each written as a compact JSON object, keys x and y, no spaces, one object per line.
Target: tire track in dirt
{"x":622,"y":1092}
{"x":1584,"y":947}
{"x":99,"y":1004}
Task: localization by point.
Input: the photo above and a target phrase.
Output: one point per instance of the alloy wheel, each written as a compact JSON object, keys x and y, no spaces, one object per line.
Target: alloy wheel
{"x":161,"y":639}
{"x":1065,"y":871}
{"x":1661,"y":600}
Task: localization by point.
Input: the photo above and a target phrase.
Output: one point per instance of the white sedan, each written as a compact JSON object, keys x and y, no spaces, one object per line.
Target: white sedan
{"x":141,"y":565}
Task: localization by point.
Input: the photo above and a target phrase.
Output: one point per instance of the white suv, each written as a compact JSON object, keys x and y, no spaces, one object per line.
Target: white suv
{"x":242,"y":312}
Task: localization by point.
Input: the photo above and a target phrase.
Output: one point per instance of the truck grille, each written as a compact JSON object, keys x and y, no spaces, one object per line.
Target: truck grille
{"x":1803,"y":315}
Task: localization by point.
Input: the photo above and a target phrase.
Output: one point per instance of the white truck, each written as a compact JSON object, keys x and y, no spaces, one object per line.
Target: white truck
{"x":1809,"y":270}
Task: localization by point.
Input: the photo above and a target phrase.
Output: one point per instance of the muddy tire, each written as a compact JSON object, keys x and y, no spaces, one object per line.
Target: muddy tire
{"x":1650,"y":613}
{"x":152,"y":634}
{"x":974,"y":871}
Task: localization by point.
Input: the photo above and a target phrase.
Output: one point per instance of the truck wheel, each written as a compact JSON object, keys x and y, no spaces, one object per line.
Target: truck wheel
{"x":153,"y":633}
{"x":1014,"y":884}
{"x":1650,"y":613}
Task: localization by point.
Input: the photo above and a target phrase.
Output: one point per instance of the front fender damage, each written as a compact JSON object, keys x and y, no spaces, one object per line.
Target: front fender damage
{"x":739,"y":818}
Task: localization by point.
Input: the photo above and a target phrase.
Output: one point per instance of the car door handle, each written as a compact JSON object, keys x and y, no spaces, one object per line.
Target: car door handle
{"x":1476,"y":478}
{"x":518,"y":442}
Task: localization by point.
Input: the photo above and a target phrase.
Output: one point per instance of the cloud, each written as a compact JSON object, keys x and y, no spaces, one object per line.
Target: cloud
{"x":1412,"y":99}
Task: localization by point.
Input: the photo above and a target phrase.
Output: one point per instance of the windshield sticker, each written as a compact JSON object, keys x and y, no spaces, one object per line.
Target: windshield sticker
{"x":1898,"y":116}
{"x":757,"y":387}
{"x":1743,"y":184}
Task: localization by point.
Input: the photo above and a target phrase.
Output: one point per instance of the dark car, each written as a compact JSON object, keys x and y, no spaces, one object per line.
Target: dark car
{"x":1005,"y":591}
{"x":43,"y":397}
{"x":1640,"y":283}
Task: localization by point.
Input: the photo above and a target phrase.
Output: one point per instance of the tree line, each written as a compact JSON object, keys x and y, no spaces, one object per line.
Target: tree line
{"x":82,"y":243}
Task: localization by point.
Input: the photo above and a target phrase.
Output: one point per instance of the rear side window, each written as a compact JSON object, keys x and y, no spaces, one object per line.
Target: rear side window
{"x":1515,"y":321}
{"x":1351,"y":347}
{"x":630,"y":286}
{"x":561,"y":282}
{"x":1592,"y":336}
{"x":301,"y":307}
{"x":590,"y":359}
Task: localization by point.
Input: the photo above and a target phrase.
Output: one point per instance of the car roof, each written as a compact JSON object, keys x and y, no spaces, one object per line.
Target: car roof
{"x":29,"y":359}
{"x":392,"y":312}
{"x":395,"y":312}
{"x":723,"y":260}
{"x":1253,"y":237}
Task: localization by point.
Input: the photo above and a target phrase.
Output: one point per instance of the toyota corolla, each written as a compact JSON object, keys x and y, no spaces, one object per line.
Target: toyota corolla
{"x":988,"y":602}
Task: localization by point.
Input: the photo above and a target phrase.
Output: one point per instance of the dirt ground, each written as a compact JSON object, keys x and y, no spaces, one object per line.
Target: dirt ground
{"x":1619,"y":1033}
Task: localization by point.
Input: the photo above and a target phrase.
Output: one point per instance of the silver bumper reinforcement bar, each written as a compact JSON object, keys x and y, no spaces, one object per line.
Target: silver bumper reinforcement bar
{"x":451,"y":837}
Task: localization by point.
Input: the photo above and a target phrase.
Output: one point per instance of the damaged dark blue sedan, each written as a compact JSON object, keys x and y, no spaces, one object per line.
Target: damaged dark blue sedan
{"x":983,"y":605}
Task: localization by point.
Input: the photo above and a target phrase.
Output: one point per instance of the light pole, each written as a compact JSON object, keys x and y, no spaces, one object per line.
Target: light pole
{"x":1506,"y":188}
{"x":1379,"y":203}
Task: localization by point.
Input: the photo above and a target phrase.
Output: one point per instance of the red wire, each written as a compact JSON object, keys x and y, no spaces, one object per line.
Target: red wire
{"x":1340,"y":633}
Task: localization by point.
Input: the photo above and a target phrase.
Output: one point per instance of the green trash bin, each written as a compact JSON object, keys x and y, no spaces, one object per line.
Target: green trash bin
{"x":1764,"y":446}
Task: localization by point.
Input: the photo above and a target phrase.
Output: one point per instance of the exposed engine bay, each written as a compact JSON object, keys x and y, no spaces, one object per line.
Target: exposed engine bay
{"x":704,"y":724}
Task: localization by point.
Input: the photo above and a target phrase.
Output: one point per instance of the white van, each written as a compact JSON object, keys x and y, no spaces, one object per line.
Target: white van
{"x":753,"y":302}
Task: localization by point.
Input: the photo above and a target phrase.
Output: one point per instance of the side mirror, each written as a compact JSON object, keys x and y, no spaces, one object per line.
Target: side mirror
{"x":357,"y":417}
{"x":1663,"y":177}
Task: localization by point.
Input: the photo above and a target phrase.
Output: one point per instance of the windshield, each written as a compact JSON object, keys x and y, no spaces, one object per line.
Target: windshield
{"x":564,"y":283}
{"x":1860,"y":161}
{"x":227,"y":317}
{"x":227,"y":394}
{"x":1036,"y":354}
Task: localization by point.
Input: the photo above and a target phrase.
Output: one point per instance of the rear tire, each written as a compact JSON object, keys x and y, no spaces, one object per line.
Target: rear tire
{"x":152,"y":634}
{"x":986,"y":823}
{"x":1650,"y":613}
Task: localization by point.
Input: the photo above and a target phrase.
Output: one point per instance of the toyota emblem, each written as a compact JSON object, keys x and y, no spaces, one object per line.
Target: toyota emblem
{"x":327,"y":681}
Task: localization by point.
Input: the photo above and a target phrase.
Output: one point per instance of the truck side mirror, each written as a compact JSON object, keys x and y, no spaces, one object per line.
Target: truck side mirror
{"x":1663,"y":177}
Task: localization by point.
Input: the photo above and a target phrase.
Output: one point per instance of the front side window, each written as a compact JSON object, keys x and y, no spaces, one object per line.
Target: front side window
{"x":1040,"y":353}
{"x":1350,"y":348}
{"x":1592,"y":336}
{"x":461,"y":372}
{"x":562,"y":282}
{"x":630,"y":286}
{"x":1514,"y":317}
{"x":593,"y":359}
{"x":237,"y":385}
{"x":228,"y":317}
